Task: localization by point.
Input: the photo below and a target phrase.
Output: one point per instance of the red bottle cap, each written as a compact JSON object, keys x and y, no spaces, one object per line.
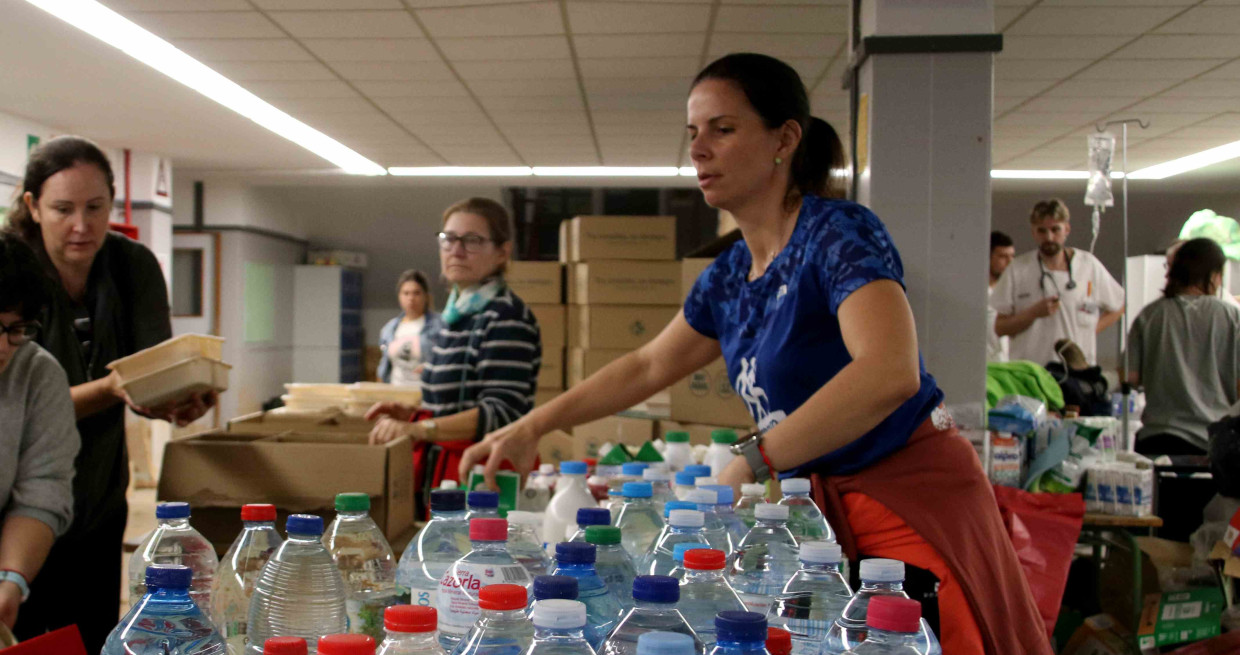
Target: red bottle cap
{"x":778,"y":641}
{"x":410,"y":618}
{"x":502,"y":597}
{"x":347,"y":645}
{"x":258,"y":513}
{"x":488,"y":529}
{"x":894,"y":614}
{"x":284,"y":646}
{"x":704,"y":559}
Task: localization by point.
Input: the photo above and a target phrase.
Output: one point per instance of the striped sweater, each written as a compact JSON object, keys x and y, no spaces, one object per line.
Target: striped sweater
{"x":487,"y":361}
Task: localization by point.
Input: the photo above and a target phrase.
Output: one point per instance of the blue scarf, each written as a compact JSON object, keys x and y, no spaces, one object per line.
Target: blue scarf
{"x":470,"y":301}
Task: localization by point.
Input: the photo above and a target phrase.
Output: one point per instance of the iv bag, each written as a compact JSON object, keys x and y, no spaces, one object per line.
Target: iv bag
{"x":1101,"y":150}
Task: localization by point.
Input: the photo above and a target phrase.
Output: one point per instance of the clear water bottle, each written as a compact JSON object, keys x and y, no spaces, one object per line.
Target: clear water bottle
{"x":667,"y":528}
{"x":638,"y":520}
{"x":740,"y":633}
{"x":752,"y":495}
{"x":502,"y":627}
{"x":654,"y":609}
{"x":366,"y":563}
{"x":525,"y":545}
{"x":586,"y":517}
{"x":705,"y":592}
{"x":879,"y":577}
{"x":765,"y":560}
{"x":678,"y":554}
{"x":165,"y":619}
{"x":629,"y":472}
{"x":805,"y":520}
{"x":174,"y":542}
{"x":300,"y":592}
{"x":612,"y":562}
{"x":234,"y":580}
{"x":410,"y":631}
{"x":285,"y":646}
{"x":346,"y":644}
{"x":719,"y":454}
{"x":559,"y":629}
{"x":488,"y":563}
{"x":552,"y":587}
{"x":717,"y":534}
{"x":603,"y":608}
{"x":686,"y":479}
{"x":724,"y":498}
{"x":778,"y":641}
{"x":684,"y":526}
{"x":571,"y":494}
{"x":813,"y":599}
{"x":678,"y":453}
{"x":483,"y":504}
{"x":892,"y":626}
{"x":665,"y":643}
{"x":660,"y":486}
{"x":441,"y":542}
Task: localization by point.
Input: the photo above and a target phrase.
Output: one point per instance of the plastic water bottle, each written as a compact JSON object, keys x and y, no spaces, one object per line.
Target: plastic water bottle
{"x":684,"y":526}
{"x":879,"y":577}
{"x":717,"y":534}
{"x":765,"y":560}
{"x":559,"y":629}
{"x":347,"y":644}
{"x":778,"y":641}
{"x":752,"y":495}
{"x":300,"y":592}
{"x":665,"y":643}
{"x":612,"y":562}
{"x":571,"y":494}
{"x":892,"y":625}
{"x":603,"y":610}
{"x":629,"y":472}
{"x":686,"y":479}
{"x":667,"y":528}
{"x":660,"y":487}
{"x":174,"y":542}
{"x":678,"y":554}
{"x":234,"y":580}
{"x":724,"y":498}
{"x":524,"y":544}
{"x":165,"y":619}
{"x":805,"y":520}
{"x":552,"y":587}
{"x":410,"y":631}
{"x":366,"y":564}
{"x":813,"y":599}
{"x":483,"y":505}
{"x":705,"y":592}
{"x":588,"y":516}
{"x":678,"y":453}
{"x":654,"y":609}
{"x":487,"y":564}
{"x":502,"y":627}
{"x":740,"y":633}
{"x":441,"y":542}
{"x":719,"y":455}
{"x":638,"y":520}
{"x":285,"y":646}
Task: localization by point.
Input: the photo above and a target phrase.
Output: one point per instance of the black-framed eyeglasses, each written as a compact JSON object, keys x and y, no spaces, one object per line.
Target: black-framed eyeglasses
{"x":472,"y":242}
{"x":20,"y":333}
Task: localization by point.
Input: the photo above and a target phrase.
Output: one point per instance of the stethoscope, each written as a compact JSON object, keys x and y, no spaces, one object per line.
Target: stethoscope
{"x":1047,"y":275}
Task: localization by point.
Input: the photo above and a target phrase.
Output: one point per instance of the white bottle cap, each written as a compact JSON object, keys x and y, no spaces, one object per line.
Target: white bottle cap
{"x":816,"y":552}
{"x":652,"y":475}
{"x":546,"y":469}
{"x":702,"y":496}
{"x":449,"y":484}
{"x":794,"y":486}
{"x":559,"y":613}
{"x":771,"y":511}
{"x":882,"y":570}
{"x":689,"y":518}
{"x":525,"y":518}
{"x":753,"y":489}
{"x":698,"y":482}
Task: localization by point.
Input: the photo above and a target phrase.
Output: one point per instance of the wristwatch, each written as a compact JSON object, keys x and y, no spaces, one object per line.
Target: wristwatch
{"x":430,"y":428}
{"x":750,"y":447}
{"x":9,"y":575}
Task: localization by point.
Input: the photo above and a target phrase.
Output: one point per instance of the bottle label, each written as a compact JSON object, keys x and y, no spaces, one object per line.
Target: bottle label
{"x":458,"y":591}
{"x":756,"y":602}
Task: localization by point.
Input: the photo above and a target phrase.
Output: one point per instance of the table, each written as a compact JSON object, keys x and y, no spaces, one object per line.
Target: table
{"x":1101,"y":531}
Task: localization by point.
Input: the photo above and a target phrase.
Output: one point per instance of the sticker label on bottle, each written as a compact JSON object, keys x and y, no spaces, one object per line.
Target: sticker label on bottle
{"x":458,"y":591}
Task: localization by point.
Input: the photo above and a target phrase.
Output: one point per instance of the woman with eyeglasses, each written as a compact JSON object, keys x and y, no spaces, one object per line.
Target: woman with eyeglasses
{"x":108,"y":300}
{"x":483,"y":366}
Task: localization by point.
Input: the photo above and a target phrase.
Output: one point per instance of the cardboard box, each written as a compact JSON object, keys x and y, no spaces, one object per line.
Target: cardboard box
{"x":616,"y":282}
{"x":555,"y":447}
{"x":1177,"y":617}
{"x":613,"y":429}
{"x":551,"y":373}
{"x":1100,"y":635}
{"x":280,"y":421}
{"x":552,"y":324}
{"x":218,"y":472}
{"x":626,"y":327}
{"x":537,"y":283}
{"x":584,"y":363}
{"x":706,"y":396}
{"x":699,"y":434}
{"x":586,"y":238}
{"x":690,"y":269}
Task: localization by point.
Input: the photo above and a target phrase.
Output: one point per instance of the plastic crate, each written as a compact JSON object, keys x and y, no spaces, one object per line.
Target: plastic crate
{"x":174,"y":351}
{"x":178,"y":382}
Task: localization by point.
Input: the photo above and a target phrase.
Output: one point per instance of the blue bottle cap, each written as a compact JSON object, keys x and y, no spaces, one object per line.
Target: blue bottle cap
{"x":483,"y":499}
{"x":637,"y":490}
{"x":740,"y":626}
{"x":678,"y":552}
{"x":555,"y":586}
{"x":573,"y":468}
{"x":698,"y":470}
{"x":665,"y":643}
{"x":656,"y":589}
{"x":593,"y":516}
{"x":574,"y":552}
{"x":725,"y":493}
{"x":304,"y":524}
{"x":447,"y":500}
{"x":677,"y":504}
{"x":685,"y":478}
{"x":172,"y":511}
{"x":169,"y":576}
{"x":634,"y":468}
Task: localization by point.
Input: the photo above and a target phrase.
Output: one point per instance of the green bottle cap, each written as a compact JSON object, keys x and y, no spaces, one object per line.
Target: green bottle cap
{"x":676,"y":437}
{"x":352,"y":502}
{"x":649,"y":453}
{"x":616,"y":456}
{"x":602,"y":535}
{"x":723,"y":435}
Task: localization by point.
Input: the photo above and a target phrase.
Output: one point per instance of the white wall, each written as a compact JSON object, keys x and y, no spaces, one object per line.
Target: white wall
{"x":232,"y":203}
{"x":13,"y":133}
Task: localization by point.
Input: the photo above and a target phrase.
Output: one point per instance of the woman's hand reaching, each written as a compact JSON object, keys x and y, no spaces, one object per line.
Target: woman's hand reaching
{"x":516,"y":443}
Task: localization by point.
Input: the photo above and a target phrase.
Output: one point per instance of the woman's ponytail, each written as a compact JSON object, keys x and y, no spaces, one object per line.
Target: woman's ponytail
{"x":818,"y":164}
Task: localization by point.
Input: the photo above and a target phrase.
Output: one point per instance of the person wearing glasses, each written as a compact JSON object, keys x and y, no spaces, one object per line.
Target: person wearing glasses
{"x":483,"y":366}
{"x":108,"y":300}
{"x":406,"y":340}
{"x":1054,"y":292}
{"x":38,"y":440}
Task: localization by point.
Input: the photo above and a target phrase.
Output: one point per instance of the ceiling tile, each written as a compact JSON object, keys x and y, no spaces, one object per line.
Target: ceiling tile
{"x":481,"y":157}
{"x":677,"y":87}
{"x":1005,"y":15}
{"x":507,"y":48}
{"x":1003,"y":104}
{"x":1109,"y":88}
{"x":517,"y":119}
{"x":206,"y":24}
{"x":1170,"y":104}
{"x":246,"y":71}
{"x":568,"y":131}
{"x":325,"y":89}
{"x":1228,"y":72}
{"x":624,"y":102}
{"x":1054,"y":121}
{"x":1099,"y":105}
{"x":323,"y":105}
{"x":1205,"y":20}
{"x":208,"y":50}
{"x":1037,"y":69}
{"x":332,"y":121}
{"x":783,"y":20}
{"x":672,"y":117}
{"x":524,"y":88}
{"x":635,"y":18}
{"x":659,"y":130}
{"x":434,"y":4}
{"x":422,"y":120}
{"x":1147,"y":69}
{"x":375,"y":71}
{"x":345,"y":24}
{"x":1023,"y":88}
{"x":521,"y":69}
{"x":639,"y":45}
{"x":622,"y":67}
{"x":327,"y":5}
{"x":776,"y":45}
{"x":1059,"y":47}
{"x":425,"y":103}
{"x":527,"y":19}
{"x":1091,"y":21}
{"x":532,"y":103}
{"x":389,"y":130}
{"x":372,"y":49}
{"x":1206,"y":89}
{"x":413,"y":89}
{"x":125,"y":6}
{"x":1168,"y":46}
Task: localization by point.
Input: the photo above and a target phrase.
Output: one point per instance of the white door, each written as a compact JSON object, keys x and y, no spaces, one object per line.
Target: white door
{"x":195,"y":283}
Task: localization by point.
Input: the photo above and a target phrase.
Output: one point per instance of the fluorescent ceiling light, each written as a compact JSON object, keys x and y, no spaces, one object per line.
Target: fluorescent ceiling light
{"x":122,"y":34}
{"x":607,"y":171}
{"x":460,"y":171}
{"x":1191,"y":162}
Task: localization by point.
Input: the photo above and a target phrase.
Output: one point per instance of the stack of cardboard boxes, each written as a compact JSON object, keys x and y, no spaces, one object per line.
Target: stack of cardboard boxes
{"x":541,"y":286}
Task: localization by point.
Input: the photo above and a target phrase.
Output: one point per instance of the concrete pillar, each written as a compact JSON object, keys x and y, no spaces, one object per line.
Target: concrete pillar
{"x":924,"y":94}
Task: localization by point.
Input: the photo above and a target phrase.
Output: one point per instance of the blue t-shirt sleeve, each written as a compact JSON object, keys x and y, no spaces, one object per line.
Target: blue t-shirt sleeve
{"x":854,"y":251}
{"x":698,"y":304}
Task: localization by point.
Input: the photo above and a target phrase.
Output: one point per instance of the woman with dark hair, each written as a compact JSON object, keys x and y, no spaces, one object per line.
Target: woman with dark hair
{"x":1184,"y":348}
{"x":406,"y":340}
{"x":810,"y":315}
{"x":108,"y":300}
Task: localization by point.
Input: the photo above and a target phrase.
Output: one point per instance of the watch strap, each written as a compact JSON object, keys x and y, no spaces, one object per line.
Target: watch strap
{"x":15,"y":576}
{"x":750,"y":447}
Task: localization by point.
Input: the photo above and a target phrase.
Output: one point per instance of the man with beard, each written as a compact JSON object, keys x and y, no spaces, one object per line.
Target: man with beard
{"x":1054,"y":293}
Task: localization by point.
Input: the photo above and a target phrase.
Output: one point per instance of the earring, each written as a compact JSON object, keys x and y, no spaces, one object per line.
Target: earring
{"x":779,"y":160}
